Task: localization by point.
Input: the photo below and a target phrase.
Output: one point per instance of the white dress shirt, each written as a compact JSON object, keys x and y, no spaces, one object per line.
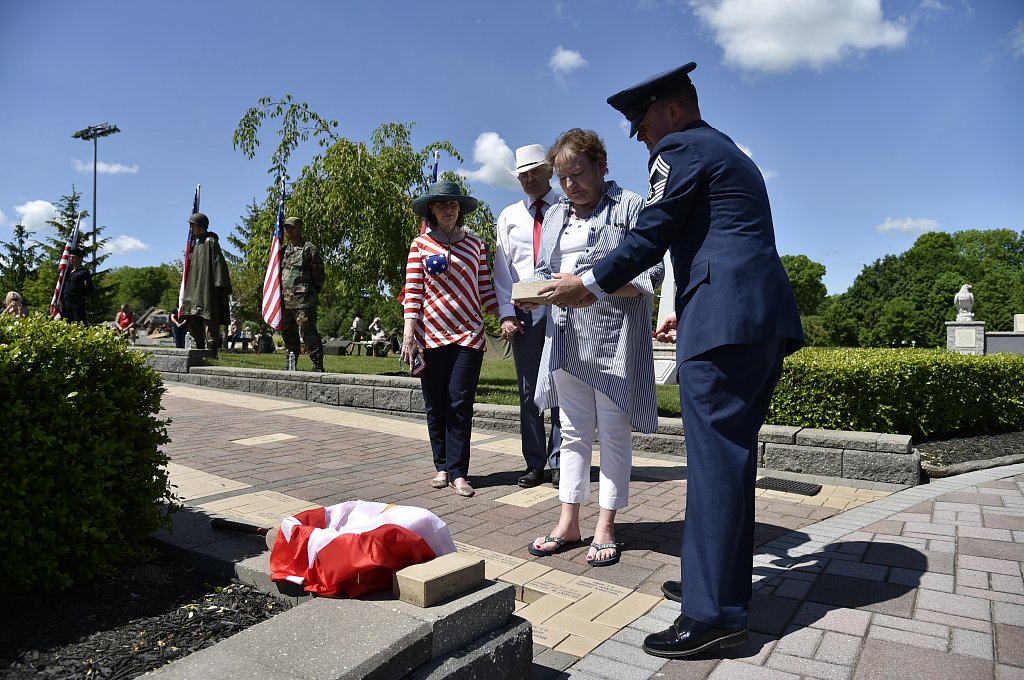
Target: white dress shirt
{"x":513,"y":260}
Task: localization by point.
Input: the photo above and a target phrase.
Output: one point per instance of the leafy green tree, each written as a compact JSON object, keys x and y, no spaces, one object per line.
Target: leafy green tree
{"x":19,"y":259}
{"x":805,"y":276}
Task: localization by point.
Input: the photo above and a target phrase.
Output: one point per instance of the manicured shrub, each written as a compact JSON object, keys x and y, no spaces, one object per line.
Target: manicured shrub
{"x":923,"y":393}
{"x":84,"y":480}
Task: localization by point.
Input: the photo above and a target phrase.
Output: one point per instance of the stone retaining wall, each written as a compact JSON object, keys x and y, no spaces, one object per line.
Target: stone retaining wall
{"x":869,"y":456}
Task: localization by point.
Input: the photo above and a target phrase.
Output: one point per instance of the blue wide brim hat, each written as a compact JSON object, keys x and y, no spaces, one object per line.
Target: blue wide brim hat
{"x":633,"y":102}
{"x":443,"y":191}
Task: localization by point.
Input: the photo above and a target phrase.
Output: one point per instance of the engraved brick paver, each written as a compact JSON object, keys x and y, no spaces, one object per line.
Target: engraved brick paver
{"x":860,"y":583}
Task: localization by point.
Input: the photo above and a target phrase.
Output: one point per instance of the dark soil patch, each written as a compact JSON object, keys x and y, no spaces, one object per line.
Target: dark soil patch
{"x":966,"y":449}
{"x":127,"y":624}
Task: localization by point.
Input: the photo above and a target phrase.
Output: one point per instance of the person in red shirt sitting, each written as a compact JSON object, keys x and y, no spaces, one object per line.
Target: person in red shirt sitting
{"x":126,"y":322}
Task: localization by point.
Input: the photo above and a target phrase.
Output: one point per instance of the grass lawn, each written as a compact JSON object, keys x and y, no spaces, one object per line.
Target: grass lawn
{"x":497,"y":377}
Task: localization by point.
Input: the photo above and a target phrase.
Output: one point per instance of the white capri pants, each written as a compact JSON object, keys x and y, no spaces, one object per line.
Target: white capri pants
{"x":584,"y":409}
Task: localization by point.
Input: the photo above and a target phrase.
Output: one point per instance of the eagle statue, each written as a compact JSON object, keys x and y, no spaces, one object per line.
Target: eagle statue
{"x":964,"y":301}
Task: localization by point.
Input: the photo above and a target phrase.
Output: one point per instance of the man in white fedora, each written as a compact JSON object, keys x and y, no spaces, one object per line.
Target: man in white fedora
{"x":518,"y":237}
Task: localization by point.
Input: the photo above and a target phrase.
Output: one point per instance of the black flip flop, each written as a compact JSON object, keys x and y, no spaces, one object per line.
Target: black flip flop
{"x":562,"y":545}
{"x":607,"y":562}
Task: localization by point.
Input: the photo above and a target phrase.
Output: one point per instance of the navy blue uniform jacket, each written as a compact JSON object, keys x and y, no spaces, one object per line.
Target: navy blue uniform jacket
{"x":708,"y":203}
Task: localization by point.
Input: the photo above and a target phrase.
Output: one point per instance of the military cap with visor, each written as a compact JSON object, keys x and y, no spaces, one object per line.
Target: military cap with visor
{"x":293,"y":222}
{"x":442,"y":191}
{"x":633,"y":102}
{"x":77,"y":252}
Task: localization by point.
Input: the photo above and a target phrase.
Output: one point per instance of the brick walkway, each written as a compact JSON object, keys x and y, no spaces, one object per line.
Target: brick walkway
{"x":851,"y":583}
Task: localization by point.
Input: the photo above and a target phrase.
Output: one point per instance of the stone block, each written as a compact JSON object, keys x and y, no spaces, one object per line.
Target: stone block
{"x":290,"y":390}
{"x":837,"y":439}
{"x":671,"y":445}
{"x":893,"y":468}
{"x":329,"y":638}
{"x":268,"y":387}
{"x":391,"y":398}
{"x":894,"y":443}
{"x":355,"y":395}
{"x":322,"y":394}
{"x":458,"y":621}
{"x":778,"y":434}
{"x":157,"y":362}
{"x":811,"y":460}
{"x":499,"y":654}
{"x":439,"y":579}
{"x":176,"y":364}
{"x":416,"y":403}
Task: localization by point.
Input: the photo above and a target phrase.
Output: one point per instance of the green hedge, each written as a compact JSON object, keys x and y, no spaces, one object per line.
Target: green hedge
{"x":924,"y":393}
{"x":84,"y":480}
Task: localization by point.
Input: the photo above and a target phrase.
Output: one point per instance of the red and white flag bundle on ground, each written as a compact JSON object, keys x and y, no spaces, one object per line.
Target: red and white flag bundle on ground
{"x":356,"y":547}
{"x":62,"y":268}
{"x":272,"y":299}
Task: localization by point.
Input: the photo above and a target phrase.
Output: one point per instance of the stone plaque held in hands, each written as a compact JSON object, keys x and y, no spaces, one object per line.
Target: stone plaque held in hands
{"x":527,"y":291}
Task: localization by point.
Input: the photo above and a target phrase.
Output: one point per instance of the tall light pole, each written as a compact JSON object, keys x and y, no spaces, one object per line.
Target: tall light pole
{"x":94,"y":132}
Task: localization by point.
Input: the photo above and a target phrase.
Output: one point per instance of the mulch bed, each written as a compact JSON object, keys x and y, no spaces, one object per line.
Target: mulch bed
{"x":126,"y":624}
{"x":961,"y":450}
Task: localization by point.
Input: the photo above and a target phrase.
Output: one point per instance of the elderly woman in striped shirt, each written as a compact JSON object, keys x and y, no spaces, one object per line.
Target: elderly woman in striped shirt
{"x":597,"y":365}
{"x":447,"y":281}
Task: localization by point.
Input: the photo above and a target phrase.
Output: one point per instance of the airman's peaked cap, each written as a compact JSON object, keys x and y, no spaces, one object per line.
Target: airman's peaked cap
{"x":633,"y":102}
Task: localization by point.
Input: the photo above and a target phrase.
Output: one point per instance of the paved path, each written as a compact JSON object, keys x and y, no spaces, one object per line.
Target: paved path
{"x":859,"y":581}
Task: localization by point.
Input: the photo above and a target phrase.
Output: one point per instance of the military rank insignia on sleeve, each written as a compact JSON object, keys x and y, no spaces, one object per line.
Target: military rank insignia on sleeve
{"x":659,"y":178}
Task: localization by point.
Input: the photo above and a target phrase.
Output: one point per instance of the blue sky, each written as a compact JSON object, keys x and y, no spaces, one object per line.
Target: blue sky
{"x":872,"y":120}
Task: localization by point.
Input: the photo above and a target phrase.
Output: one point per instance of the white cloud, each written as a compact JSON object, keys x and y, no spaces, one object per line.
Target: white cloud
{"x":493,"y":155}
{"x":1017,"y":39}
{"x":35,"y":215}
{"x":563,"y":62}
{"x":119,"y":245}
{"x":934,"y":6}
{"x":107,"y":168}
{"x":780,"y":35}
{"x":767,"y":174}
{"x":902,"y":226}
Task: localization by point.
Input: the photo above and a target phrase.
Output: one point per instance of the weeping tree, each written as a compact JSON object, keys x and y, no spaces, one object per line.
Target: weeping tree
{"x":354,"y":197}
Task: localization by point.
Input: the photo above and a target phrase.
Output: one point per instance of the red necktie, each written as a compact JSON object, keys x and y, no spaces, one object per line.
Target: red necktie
{"x":538,"y":220}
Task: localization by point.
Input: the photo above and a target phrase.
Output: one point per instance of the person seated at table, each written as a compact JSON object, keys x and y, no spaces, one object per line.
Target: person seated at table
{"x":125,"y":322}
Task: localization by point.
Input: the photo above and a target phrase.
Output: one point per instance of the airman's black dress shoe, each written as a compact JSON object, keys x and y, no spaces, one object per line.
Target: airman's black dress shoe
{"x":687,"y":637}
{"x":673,"y":590}
{"x":533,"y":477}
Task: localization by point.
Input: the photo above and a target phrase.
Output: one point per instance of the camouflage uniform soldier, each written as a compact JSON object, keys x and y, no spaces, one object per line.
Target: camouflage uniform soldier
{"x":302,"y":277}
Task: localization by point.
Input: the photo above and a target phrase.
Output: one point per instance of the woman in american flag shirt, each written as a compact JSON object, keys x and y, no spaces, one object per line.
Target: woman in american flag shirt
{"x":447,"y":281}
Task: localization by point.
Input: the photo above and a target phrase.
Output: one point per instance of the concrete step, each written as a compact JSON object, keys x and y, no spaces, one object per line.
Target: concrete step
{"x":503,"y":653}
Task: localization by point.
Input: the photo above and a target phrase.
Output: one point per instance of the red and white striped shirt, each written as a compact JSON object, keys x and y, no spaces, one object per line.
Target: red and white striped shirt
{"x":447,"y":305}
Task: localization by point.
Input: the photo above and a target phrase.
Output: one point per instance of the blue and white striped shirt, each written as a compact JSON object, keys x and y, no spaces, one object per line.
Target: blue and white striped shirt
{"x":607,"y":345}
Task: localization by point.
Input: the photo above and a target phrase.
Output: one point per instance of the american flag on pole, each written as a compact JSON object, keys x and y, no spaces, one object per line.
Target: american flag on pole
{"x":189,"y":242}
{"x":272,"y":281}
{"x":424,"y":224}
{"x":62,"y":268}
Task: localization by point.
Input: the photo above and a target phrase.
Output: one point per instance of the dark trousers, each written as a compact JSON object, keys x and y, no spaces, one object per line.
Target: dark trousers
{"x":724,"y":394}
{"x":198,"y":326}
{"x":295,"y":322}
{"x":526,"y":350}
{"x":449,"y":382}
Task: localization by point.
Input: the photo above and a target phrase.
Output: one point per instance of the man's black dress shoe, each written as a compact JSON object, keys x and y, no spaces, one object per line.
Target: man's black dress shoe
{"x":687,"y":637}
{"x":555,"y":475}
{"x":673,"y":590}
{"x":533,"y":477}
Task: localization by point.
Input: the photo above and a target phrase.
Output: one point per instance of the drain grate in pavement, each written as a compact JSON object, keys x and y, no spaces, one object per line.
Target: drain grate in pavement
{"x":789,"y":486}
